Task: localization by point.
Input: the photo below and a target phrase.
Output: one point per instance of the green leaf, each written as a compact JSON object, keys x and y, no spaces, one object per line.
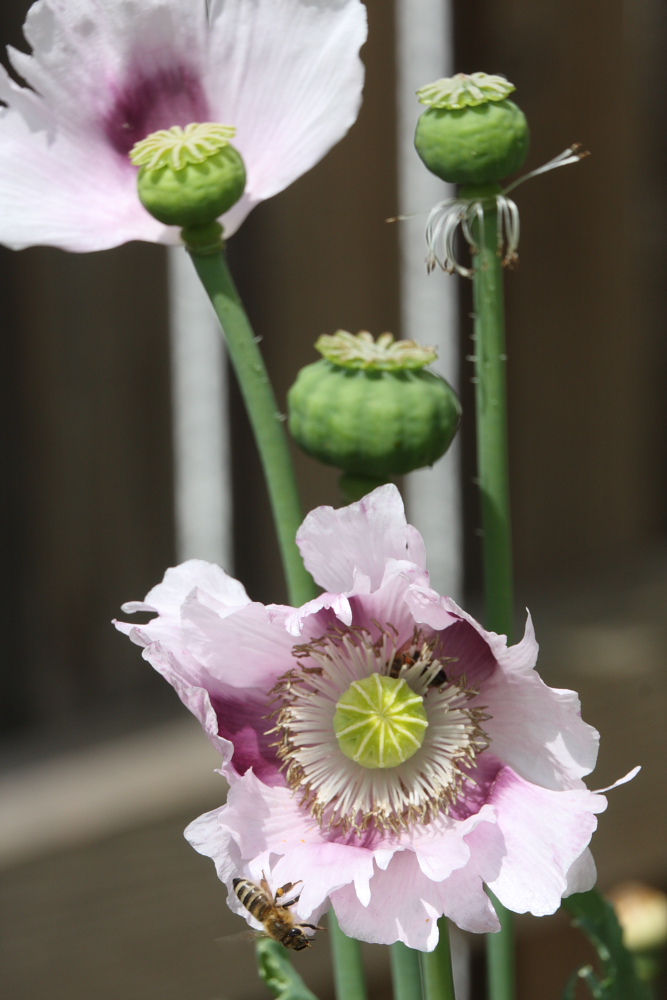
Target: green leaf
{"x":278,"y":973}
{"x":591,"y":912}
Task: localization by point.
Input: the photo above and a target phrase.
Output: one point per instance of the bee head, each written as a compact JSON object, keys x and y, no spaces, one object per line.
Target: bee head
{"x":296,"y":939}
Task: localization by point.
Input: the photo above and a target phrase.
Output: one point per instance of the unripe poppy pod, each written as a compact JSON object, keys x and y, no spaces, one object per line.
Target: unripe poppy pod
{"x":191,"y":176}
{"x":471,"y":133}
{"x":370,"y":407}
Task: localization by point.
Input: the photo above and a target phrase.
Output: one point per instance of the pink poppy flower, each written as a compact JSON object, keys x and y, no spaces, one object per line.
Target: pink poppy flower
{"x":105,"y":73}
{"x":380,"y":745}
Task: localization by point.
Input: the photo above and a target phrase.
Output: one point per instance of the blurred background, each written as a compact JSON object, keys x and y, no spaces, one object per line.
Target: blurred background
{"x":101,"y":770}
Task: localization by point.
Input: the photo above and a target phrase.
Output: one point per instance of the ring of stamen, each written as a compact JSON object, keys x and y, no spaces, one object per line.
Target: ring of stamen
{"x":348,"y":786}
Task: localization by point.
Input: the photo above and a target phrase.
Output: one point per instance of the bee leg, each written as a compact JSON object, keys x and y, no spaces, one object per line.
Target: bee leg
{"x":314,"y":927}
{"x":284,"y":889}
{"x":290,"y":903}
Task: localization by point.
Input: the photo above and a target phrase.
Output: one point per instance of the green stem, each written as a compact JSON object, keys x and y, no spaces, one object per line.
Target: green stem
{"x":348,"y":964}
{"x":493,"y":474}
{"x":265,"y":418}
{"x":491,"y":397}
{"x":437,"y":968}
{"x":500,"y":955}
{"x":405,"y":972}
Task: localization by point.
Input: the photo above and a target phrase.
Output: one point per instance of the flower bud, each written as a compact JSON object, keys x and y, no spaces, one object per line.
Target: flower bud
{"x":471,"y":133}
{"x":369,"y":407}
{"x":190,"y":176}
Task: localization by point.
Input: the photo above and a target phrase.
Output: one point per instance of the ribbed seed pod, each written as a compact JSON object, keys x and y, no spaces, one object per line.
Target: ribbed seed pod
{"x":189,"y":177}
{"x":471,"y":133}
{"x":374,"y":411}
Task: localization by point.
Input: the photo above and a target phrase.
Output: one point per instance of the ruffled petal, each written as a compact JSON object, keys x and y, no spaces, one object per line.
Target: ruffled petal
{"x":179,"y":581}
{"x":193,"y":695}
{"x":274,"y":835}
{"x":441,"y":846}
{"x":461,"y":639}
{"x":223,"y":660}
{"x":406,"y":905}
{"x":386,"y":606}
{"x":463,"y":900}
{"x":401,"y":907}
{"x":336,"y":544}
{"x":209,"y":836}
{"x":236,"y":724}
{"x":93,"y":57}
{"x":242,"y":646}
{"x":294,"y":618}
{"x":582,"y":874}
{"x":244,"y":649}
{"x":536,"y":729}
{"x":66,"y":191}
{"x":544,"y":832}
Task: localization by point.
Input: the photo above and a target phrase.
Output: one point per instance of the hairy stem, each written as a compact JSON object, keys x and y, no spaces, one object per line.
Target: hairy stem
{"x":493,"y":475}
{"x":265,"y":418}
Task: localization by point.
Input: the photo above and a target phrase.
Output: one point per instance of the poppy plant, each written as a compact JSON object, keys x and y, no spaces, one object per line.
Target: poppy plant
{"x":380,"y":745}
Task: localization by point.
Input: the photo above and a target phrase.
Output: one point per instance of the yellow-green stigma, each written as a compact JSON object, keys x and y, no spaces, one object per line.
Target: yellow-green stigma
{"x":380,"y":722}
{"x":384,"y":354}
{"x":176,"y":147}
{"x":464,"y":91}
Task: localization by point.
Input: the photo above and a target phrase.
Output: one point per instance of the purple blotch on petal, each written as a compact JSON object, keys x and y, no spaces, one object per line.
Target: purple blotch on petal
{"x":244,"y":723}
{"x":471,"y":654}
{"x":169,"y":96}
{"x":475,"y":792}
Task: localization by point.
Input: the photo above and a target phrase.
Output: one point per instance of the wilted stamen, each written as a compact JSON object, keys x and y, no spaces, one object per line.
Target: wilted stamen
{"x":447,"y":216}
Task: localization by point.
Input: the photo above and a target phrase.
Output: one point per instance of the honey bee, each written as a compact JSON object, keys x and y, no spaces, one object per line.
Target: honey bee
{"x":408,"y":659}
{"x":275,"y":916}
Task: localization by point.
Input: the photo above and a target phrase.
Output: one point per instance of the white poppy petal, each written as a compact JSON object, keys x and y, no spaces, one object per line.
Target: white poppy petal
{"x":335,"y":544}
{"x":292,"y":101}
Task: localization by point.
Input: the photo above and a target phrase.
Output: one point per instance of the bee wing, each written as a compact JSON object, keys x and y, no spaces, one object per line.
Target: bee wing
{"x":248,"y":936}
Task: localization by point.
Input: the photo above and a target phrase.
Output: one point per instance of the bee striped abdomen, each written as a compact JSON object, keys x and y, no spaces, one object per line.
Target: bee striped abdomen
{"x":253,"y":897}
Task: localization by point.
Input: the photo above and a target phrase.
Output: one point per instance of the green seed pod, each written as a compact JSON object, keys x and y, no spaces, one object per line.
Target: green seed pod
{"x":369,"y":408}
{"x":190,"y":176}
{"x":380,"y":722}
{"x":471,"y":134}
